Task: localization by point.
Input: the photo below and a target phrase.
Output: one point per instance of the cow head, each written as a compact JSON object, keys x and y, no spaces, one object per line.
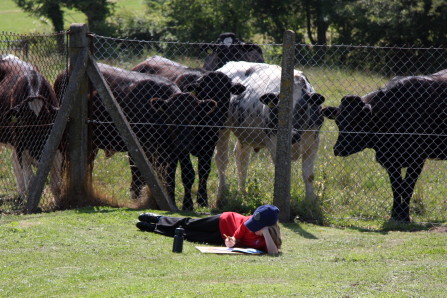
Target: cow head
{"x":219,"y":87}
{"x":353,"y":118}
{"x":306,"y":113}
{"x":181,"y":113}
{"x":183,"y":108}
{"x":229,"y":48}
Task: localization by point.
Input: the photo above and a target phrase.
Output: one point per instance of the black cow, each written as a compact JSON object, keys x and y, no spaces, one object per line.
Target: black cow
{"x":205,"y":85}
{"x":159,"y":114}
{"x":404,"y":122}
{"x":229,"y":48}
{"x":28,"y":107}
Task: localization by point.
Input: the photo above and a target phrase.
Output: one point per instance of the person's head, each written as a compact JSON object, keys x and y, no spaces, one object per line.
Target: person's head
{"x":264,"y":216}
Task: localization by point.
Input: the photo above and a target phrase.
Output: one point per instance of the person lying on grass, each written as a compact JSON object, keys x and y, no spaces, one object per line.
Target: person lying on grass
{"x":260,"y":230}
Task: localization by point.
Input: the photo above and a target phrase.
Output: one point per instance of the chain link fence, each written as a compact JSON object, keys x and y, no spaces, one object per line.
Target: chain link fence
{"x":354,"y":186}
{"x":28,"y":65}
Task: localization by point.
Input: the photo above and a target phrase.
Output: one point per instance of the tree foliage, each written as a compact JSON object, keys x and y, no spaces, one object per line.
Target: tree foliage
{"x":396,"y":22}
{"x":95,"y":10}
{"x":392,"y":22}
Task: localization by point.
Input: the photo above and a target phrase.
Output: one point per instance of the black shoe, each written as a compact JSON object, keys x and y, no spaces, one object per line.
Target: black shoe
{"x":145,"y":226}
{"x":149,"y":217}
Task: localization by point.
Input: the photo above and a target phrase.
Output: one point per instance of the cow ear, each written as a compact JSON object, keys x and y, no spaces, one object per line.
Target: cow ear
{"x":269,"y":99}
{"x":192,"y":88}
{"x":352,"y":100}
{"x":158,"y":104}
{"x":248,"y":47}
{"x":330,"y":112}
{"x":237,"y":89}
{"x":11,"y":115}
{"x":208,"y":47}
{"x":314,"y":98}
{"x":207,"y":106}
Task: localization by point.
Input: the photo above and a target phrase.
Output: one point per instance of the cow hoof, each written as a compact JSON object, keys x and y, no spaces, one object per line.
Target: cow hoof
{"x":202,"y":203}
{"x":188,"y":207}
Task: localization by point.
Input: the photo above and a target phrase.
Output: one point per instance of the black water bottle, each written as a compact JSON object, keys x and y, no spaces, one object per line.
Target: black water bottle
{"x":178,"y":240}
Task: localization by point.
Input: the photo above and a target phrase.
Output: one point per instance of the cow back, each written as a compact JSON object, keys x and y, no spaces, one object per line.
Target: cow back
{"x":28,"y":105}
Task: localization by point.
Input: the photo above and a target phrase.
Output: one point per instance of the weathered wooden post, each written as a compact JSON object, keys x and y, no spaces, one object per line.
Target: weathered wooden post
{"x":281,"y":194}
{"x":79,"y":179}
{"x":55,"y":137}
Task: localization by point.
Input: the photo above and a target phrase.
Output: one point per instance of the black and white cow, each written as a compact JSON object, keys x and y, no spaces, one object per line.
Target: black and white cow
{"x":205,"y":85}
{"x":28,"y":107}
{"x":405,"y":123}
{"x":253,"y":120}
{"x":229,"y":48}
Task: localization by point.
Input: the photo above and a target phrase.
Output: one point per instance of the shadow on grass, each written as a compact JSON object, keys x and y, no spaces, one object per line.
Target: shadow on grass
{"x":296,"y":228}
{"x":103,"y":209}
{"x":393,"y":225}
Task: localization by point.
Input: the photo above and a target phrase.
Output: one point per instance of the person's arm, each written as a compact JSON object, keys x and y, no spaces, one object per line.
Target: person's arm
{"x":271,"y":246}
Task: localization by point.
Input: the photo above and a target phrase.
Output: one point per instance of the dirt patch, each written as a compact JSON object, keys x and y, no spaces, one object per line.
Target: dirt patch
{"x":441,"y":229}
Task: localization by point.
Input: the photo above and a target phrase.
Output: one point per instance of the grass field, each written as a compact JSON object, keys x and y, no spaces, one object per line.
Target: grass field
{"x":98,"y":252}
{"x":13,"y":19}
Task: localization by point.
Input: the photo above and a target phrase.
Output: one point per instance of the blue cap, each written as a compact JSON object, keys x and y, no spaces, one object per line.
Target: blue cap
{"x":264,"y":216}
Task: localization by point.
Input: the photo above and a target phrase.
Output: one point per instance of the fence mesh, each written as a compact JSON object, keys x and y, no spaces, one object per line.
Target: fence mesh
{"x":28,"y":66}
{"x":170,"y":127}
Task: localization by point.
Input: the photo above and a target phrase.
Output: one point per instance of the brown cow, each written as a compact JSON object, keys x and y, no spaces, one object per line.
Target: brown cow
{"x":180,"y":74}
{"x":28,"y":106}
{"x":160,"y":115}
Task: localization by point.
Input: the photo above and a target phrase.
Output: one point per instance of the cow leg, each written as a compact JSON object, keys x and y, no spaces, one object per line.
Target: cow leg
{"x":188,"y":176}
{"x":204,"y":172}
{"x":56,"y":175}
{"x":27,"y":163}
{"x":18,"y":173}
{"x":221,"y":159}
{"x":137,"y":182}
{"x":308,"y":166}
{"x":396,"y":181}
{"x":409,"y":183}
{"x":242,"y":153}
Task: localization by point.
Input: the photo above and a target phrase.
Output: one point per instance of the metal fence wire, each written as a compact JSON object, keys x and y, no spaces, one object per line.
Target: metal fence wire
{"x":28,"y":106}
{"x":211,"y":136}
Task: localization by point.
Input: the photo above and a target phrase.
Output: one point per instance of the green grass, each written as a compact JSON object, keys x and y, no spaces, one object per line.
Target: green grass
{"x":13,"y":19}
{"x":93,"y":252}
{"x":351,"y":187}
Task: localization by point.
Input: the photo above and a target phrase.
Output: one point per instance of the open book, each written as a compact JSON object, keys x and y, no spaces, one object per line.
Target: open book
{"x":229,"y":250}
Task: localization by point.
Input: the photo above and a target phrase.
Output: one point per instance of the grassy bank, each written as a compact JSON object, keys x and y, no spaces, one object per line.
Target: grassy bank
{"x":99,"y":252}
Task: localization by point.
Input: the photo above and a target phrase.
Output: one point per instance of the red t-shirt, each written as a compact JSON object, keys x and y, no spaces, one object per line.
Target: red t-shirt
{"x":232,"y":224}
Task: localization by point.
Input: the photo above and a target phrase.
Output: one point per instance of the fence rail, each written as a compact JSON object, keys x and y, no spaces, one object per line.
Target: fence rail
{"x":355,"y":186}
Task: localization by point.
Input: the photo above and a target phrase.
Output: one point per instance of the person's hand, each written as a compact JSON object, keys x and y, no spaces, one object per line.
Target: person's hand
{"x":271,"y":246}
{"x":264,"y":230}
{"x":230,"y":241}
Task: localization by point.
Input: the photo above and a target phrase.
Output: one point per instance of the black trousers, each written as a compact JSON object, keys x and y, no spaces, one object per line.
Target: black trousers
{"x":196,"y":229}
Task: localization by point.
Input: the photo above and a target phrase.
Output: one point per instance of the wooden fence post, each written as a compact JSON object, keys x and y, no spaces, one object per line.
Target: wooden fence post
{"x":79,"y":178}
{"x":281,"y":194}
{"x":55,"y":137}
